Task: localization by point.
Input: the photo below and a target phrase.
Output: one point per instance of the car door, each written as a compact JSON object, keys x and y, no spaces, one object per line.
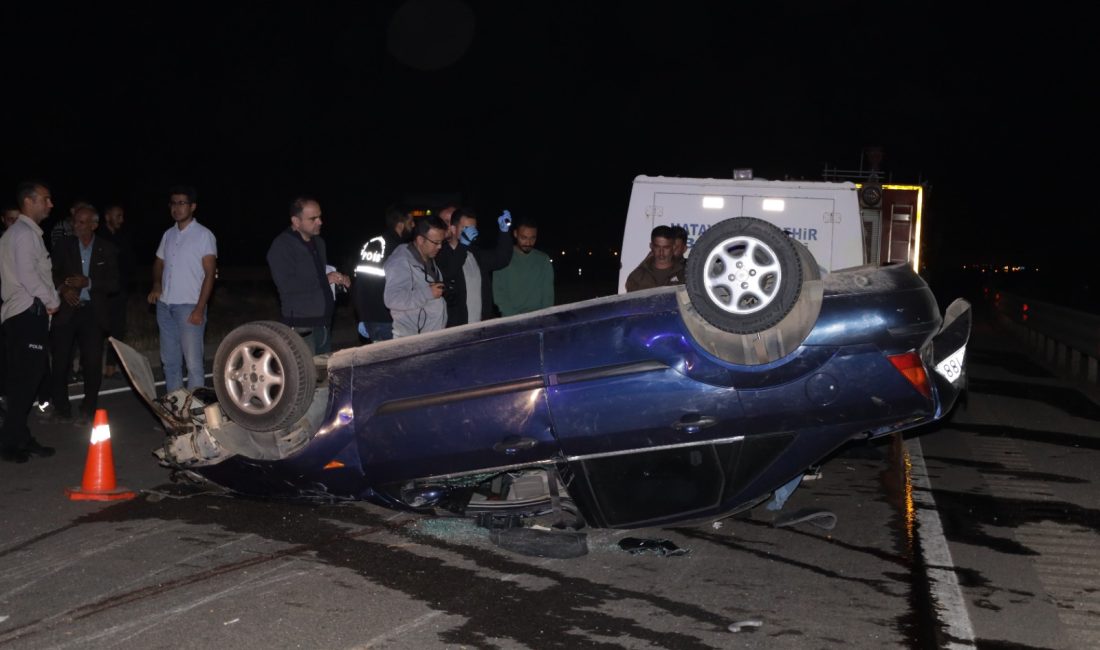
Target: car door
{"x":644,"y":440}
{"x":463,"y":405}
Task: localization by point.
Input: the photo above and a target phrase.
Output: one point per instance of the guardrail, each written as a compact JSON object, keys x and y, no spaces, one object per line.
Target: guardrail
{"x":1065,"y":337}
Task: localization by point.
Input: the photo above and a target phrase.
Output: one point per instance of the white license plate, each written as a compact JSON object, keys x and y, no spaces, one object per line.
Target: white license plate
{"x":952,"y":367}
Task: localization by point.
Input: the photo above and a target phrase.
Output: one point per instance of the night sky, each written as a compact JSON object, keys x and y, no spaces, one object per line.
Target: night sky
{"x":551,"y":108}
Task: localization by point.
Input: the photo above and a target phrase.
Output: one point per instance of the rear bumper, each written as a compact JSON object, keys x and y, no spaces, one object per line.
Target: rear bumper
{"x":949,"y":356}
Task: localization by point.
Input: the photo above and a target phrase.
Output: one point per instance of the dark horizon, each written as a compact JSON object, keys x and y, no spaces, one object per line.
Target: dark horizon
{"x":549,"y":111}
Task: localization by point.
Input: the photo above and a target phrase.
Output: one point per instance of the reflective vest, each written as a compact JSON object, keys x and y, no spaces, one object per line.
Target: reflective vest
{"x":371,"y":258}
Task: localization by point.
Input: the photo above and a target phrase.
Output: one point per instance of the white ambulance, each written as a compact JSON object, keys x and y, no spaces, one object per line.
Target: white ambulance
{"x":824,"y":216}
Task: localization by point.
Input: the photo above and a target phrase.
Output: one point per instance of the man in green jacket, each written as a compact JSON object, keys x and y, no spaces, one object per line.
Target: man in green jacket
{"x":527,"y":283}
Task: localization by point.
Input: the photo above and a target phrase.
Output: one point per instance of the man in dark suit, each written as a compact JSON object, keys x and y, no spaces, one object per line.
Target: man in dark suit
{"x":85,"y":271}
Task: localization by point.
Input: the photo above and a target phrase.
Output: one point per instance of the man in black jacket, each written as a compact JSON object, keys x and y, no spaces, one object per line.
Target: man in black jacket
{"x":375,"y":321}
{"x":86,"y":274}
{"x":299,"y":267}
{"x":112,"y":230}
{"x":468,"y":267}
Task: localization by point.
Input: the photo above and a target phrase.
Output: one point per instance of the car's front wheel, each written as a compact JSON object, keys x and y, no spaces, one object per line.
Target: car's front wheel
{"x":744,"y":275}
{"x":264,"y":376}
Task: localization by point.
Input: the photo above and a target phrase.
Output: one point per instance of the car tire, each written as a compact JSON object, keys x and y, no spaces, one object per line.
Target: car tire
{"x":744,"y":275}
{"x":264,"y":376}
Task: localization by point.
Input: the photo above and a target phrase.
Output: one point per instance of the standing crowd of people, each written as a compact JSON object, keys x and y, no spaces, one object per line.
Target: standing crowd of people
{"x":417,"y":276}
{"x":70,"y":296}
{"x":438,"y":272}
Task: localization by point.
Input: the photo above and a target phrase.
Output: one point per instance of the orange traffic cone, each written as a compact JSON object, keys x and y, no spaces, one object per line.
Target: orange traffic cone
{"x":99,"y":470}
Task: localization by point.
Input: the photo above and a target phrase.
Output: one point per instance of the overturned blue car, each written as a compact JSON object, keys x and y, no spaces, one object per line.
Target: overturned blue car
{"x":667,"y":405}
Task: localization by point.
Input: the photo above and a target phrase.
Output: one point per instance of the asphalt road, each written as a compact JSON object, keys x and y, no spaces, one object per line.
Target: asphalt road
{"x":1010,"y":477}
{"x":1014,"y":482}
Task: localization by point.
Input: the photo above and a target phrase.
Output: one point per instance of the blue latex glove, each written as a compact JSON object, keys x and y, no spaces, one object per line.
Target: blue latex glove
{"x":469,"y":234}
{"x":505,"y":221}
{"x":363,"y":330}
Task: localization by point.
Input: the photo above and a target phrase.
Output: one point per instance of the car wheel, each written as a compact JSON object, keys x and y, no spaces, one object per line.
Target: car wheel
{"x":744,"y":275}
{"x":264,"y":376}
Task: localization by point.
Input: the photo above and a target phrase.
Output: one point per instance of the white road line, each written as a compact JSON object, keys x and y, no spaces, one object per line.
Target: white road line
{"x":942,"y":579}
{"x":124,"y":389}
{"x":135,"y":626}
{"x":400,"y":630}
{"x":90,"y":546}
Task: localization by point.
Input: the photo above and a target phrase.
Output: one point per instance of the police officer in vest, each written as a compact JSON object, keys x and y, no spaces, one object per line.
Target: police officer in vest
{"x":375,"y":322}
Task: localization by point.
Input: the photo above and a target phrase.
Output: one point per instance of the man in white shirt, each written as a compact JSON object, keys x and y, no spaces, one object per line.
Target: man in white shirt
{"x":29,"y":298}
{"x":183,"y":279}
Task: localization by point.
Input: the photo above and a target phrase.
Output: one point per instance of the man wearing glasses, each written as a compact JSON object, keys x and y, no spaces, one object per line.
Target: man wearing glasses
{"x":183,"y":279}
{"x":414,"y":285}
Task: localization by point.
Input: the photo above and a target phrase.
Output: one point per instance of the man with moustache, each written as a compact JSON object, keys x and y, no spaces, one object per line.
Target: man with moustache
{"x":86,"y":273}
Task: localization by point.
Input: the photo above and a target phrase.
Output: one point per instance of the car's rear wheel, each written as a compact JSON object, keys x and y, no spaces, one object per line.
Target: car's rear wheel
{"x":264,"y":376}
{"x":744,"y":275}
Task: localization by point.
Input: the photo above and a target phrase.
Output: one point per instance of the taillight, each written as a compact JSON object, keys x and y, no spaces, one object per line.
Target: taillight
{"x":911,"y":367}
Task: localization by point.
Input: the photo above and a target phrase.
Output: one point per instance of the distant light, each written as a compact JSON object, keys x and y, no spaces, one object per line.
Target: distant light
{"x":579,"y":272}
{"x":714,"y":202}
{"x":563,"y":253}
{"x":615,"y":253}
{"x":774,"y":205}
{"x":742,"y":174}
{"x":590,"y":253}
